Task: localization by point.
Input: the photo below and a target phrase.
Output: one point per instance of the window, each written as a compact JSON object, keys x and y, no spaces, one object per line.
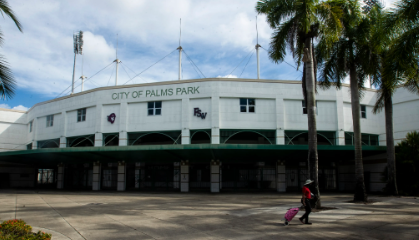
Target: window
{"x":81,"y":115}
{"x":363,"y":111}
{"x":154,"y":108}
{"x":50,"y":120}
{"x":305,"y":107}
{"x":30,"y":126}
{"x":247,"y":104}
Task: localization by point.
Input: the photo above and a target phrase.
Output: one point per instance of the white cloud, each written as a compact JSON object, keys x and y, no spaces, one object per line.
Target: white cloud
{"x":216,"y":35}
{"x":19,"y":107}
{"x":4,"y":105}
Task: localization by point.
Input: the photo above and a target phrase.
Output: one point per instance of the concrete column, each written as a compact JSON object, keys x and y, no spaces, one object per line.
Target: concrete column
{"x":186,"y":115}
{"x":215,"y":118}
{"x":123,"y":139}
{"x":123,"y":119}
{"x":280,"y":123}
{"x":99,"y":119}
{"x":34,"y":133}
{"x":34,"y":144}
{"x":176,"y":175}
{"x":340,"y":132}
{"x":215,"y":135}
{"x":122,"y":176}
{"x":215,"y":176}
{"x":184,"y":176}
{"x":281,"y":184}
{"x":280,"y":136}
{"x":97,"y":172}
{"x":60,"y":176}
{"x":63,"y":138}
{"x":98,"y":139}
{"x":63,"y":142}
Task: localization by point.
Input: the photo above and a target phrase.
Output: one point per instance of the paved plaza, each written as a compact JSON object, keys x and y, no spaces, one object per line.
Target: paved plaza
{"x":136,"y":215}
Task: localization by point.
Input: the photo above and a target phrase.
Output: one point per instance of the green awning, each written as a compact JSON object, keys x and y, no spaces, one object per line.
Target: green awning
{"x":195,"y":153}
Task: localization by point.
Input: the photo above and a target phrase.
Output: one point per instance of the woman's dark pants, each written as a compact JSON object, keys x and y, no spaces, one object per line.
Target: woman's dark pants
{"x":308,"y":210}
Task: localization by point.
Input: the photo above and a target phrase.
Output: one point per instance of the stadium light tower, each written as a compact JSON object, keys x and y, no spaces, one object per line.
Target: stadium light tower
{"x":78,"y":49}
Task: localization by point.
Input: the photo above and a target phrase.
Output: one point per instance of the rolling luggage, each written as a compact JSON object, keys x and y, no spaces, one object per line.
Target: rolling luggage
{"x":290,"y":215}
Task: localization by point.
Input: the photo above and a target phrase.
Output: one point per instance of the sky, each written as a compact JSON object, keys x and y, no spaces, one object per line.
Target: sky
{"x":217,"y":36}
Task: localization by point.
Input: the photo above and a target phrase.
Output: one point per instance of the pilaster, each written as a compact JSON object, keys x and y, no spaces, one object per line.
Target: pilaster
{"x":184,"y":176}
{"x":215,"y":118}
{"x":122,"y":176}
{"x":123,"y":136}
{"x":281,"y":184}
{"x":185,"y":121}
{"x":97,"y":170}
{"x":280,"y":124}
{"x":215,"y":176}
{"x":340,"y":132}
{"x":98,"y":139}
{"x":63,"y":142}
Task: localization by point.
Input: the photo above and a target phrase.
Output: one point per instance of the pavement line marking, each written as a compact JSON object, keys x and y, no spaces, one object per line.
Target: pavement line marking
{"x":62,"y":217}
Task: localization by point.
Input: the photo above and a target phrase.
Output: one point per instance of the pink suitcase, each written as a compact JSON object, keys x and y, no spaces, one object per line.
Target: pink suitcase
{"x":290,"y":215}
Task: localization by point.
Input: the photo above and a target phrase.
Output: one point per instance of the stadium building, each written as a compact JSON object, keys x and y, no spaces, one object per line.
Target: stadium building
{"x":213,"y":135}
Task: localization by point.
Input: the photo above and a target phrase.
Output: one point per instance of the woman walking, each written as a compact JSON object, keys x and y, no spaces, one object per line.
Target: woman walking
{"x":305,"y":200}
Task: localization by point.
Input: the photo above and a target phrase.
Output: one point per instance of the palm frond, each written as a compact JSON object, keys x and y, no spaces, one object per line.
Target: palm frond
{"x":7,"y":81}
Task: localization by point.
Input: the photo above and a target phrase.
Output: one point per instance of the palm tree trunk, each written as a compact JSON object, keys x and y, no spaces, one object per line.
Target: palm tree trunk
{"x":360,"y":193}
{"x":313,"y":164}
{"x":391,"y":156}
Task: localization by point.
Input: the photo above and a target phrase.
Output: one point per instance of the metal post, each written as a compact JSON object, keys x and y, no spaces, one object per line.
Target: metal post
{"x":180,"y":61}
{"x":82,"y":82}
{"x":116,"y":76}
{"x":74,"y":73}
{"x":257,"y":56}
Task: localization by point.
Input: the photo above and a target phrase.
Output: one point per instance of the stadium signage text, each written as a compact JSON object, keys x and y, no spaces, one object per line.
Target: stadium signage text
{"x":155,"y":93}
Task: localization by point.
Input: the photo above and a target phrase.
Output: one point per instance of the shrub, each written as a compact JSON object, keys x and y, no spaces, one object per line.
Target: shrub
{"x":18,"y":229}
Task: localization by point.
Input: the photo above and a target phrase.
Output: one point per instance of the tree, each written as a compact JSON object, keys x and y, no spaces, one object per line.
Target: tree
{"x":407,"y":155}
{"x":7,"y":81}
{"x":404,"y":52}
{"x":375,"y":65}
{"x":343,"y":59}
{"x":296,"y":24}
{"x":392,"y":67}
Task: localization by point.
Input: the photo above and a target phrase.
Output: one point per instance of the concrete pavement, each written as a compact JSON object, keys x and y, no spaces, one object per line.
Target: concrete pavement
{"x":135,"y":215}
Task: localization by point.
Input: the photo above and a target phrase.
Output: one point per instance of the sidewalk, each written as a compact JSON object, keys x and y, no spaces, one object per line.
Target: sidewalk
{"x":135,"y":215}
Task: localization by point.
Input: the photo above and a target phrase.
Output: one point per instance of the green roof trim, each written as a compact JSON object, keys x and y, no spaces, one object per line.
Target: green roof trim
{"x":178,"y":152}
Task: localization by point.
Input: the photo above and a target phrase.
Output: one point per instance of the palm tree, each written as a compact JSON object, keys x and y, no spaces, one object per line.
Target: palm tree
{"x":7,"y":82}
{"x":392,"y":68}
{"x":343,"y":59}
{"x":404,"y":23}
{"x":296,"y":24}
{"x":375,"y":65}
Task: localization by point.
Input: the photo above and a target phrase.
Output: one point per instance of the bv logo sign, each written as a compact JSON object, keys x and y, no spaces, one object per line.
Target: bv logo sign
{"x":111,"y":118}
{"x":197,"y":112}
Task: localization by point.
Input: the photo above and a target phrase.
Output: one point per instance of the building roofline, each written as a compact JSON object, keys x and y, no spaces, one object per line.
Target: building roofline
{"x":173,"y":82}
{"x":12,"y":110}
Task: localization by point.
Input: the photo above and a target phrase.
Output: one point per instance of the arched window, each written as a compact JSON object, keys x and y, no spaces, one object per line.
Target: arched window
{"x":111,"y":140}
{"x":154,"y":138}
{"x":81,"y":141}
{"x":200,"y":137}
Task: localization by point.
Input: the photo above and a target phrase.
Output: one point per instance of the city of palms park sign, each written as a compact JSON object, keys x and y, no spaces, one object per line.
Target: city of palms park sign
{"x":155,"y":93}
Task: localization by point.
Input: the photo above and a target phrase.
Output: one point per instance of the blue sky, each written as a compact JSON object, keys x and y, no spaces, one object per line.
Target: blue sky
{"x":217,"y":35}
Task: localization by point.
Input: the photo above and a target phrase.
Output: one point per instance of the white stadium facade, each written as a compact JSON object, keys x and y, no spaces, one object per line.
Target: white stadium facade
{"x":214,"y":135}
